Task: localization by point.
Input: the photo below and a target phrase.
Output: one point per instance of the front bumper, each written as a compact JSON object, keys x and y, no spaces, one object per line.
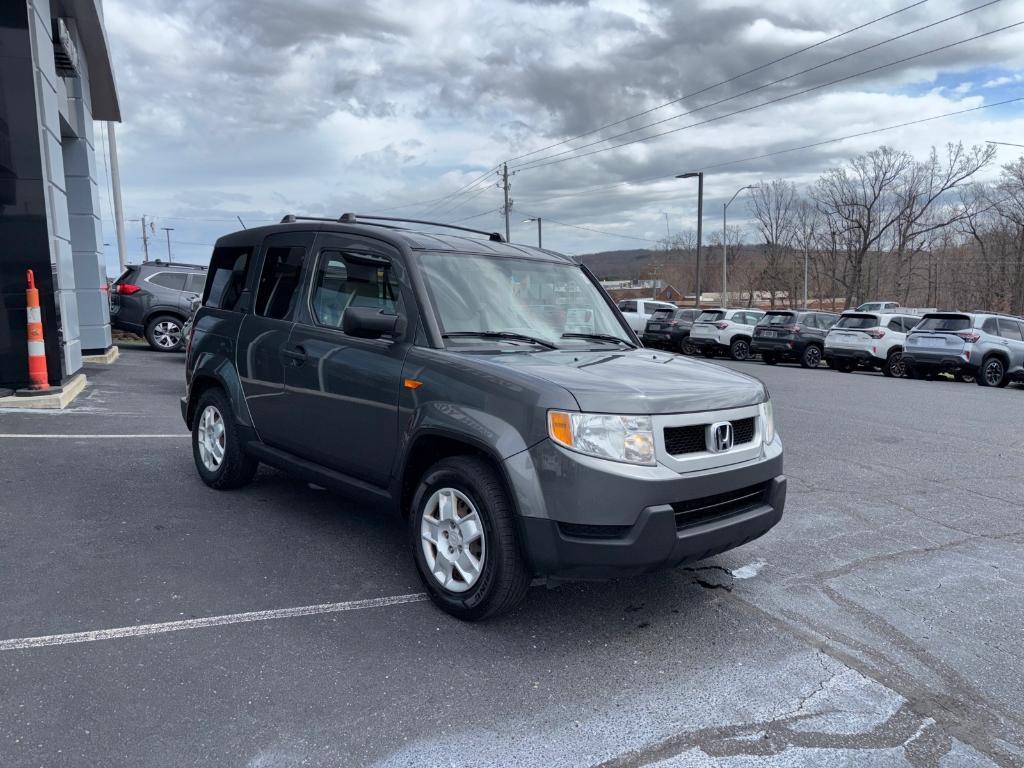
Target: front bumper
{"x":583,"y":519}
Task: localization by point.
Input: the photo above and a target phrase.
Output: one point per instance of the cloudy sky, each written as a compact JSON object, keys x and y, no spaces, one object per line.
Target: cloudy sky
{"x":256,"y":108}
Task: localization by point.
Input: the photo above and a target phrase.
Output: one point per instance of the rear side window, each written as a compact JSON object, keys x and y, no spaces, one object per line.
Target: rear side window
{"x":279,"y":281}
{"x":1010,"y":329}
{"x":627,"y":306}
{"x":909,"y":323}
{"x":195,"y":282}
{"x":990,"y":326}
{"x":226,"y":281}
{"x":346,"y":280}
{"x":173,"y":280}
{"x":945,"y":323}
{"x":710,"y":317}
{"x":687,"y":314}
{"x":776,"y":318}
{"x":861,"y":321}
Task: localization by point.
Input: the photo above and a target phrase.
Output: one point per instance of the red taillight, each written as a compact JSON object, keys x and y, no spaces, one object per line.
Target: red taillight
{"x":794,"y":328}
{"x":875,"y":333}
{"x":969,"y":336}
{"x":127,"y":289}
{"x":722,"y":325}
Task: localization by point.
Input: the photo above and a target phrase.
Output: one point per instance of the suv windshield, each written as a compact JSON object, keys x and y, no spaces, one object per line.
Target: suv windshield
{"x":776,"y":318}
{"x":857,"y":321}
{"x":944,"y":323}
{"x":477,"y":294}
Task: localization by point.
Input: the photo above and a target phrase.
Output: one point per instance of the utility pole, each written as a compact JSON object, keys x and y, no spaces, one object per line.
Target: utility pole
{"x":700,"y":222}
{"x":145,"y":239}
{"x":725,"y":210}
{"x":168,"y":230}
{"x":507,"y":208}
{"x":540,"y":241}
{"x":115,"y":182}
{"x":805,"y":280}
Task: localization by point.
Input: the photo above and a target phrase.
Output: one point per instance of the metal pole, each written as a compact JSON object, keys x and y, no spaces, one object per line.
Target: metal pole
{"x":700,"y":222}
{"x":168,"y":231}
{"x":540,"y":242}
{"x":805,"y":279}
{"x":115,"y":182}
{"x":725,"y":293}
{"x":504,"y":183}
{"x":145,"y":239}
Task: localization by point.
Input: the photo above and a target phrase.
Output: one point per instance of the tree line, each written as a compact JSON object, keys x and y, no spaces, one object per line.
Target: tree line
{"x":884,"y":225}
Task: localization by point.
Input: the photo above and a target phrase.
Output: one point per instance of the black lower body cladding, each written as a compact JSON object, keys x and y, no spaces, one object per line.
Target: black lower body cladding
{"x":600,"y":526}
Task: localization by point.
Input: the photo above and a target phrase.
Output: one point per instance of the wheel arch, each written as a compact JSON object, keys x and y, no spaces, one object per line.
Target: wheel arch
{"x":222,"y":374}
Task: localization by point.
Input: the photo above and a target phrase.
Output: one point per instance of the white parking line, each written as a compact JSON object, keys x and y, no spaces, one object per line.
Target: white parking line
{"x":20,"y":643}
{"x":92,"y":437}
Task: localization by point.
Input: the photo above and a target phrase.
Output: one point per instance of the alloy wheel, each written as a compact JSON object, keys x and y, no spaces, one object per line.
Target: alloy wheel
{"x":896,"y":366}
{"x":993,"y":372}
{"x":167,"y":334}
{"x":452,"y":537}
{"x":210,"y":438}
{"x":740,"y":350}
{"x":813,"y":357}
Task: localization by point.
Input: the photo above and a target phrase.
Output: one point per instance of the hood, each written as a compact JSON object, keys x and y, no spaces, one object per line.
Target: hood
{"x":638,"y":381}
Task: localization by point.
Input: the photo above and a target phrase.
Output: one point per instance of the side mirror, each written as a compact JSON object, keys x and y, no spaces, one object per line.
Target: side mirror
{"x":369,"y":323}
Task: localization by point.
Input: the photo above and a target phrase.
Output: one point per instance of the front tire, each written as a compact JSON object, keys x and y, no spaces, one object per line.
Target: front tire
{"x":220,"y":459}
{"x":465,"y":541}
{"x":686,"y":347}
{"x":992,"y":373}
{"x":164,"y":333}
{"x":811,"y":358}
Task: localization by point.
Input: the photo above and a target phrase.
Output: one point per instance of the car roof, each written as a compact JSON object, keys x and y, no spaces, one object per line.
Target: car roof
{"x":412,"y":239}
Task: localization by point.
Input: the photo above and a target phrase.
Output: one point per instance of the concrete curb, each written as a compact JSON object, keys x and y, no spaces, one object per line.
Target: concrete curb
{"x":59,"y":400}
{"x":107,"y":358}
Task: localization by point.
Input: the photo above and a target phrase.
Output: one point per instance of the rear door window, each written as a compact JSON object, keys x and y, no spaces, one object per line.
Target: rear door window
{"x":948,"y":323}
{"x":1010,"y":329}
{"x":776,"y":318}
{"x":195,"y":282}
{"x":859,"y":322}
{"x":710,"y":316}
{"x":279,"y":280}
{"x":229,"y":268}
{"x":173,"y":280}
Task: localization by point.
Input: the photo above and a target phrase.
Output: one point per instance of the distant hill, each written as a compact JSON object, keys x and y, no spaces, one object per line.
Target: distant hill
{"x":622,"y":265}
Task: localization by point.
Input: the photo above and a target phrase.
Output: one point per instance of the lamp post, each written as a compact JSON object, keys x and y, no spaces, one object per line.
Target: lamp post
{"x":700,"y":221}
{"x":538,"y":220}
{"x":725,"y":279}
{"x":168,"y":230}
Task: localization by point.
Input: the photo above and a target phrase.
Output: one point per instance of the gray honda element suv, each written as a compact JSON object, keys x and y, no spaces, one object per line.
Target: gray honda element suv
{"x":488,"y":392}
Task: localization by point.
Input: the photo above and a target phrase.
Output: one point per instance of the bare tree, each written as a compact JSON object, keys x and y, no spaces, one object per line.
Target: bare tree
{"x":774,"y":206}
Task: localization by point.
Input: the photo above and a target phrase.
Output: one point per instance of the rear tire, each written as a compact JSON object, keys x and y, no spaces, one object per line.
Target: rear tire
{"x":686,"y":347}
{"x":164,"y":333}
{"x":811,"y":358}
{"x":992,"y":373}
{"x":739,"y":349}
{"x":220,"y":459}
{"x":894,"y":367}
{"x":494,"y":577}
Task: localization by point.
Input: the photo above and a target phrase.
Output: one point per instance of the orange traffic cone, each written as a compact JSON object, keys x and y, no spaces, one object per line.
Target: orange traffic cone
{"x":39,"y":381}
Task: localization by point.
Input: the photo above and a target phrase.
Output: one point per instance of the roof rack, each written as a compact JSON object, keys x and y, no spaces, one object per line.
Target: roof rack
{"x":352,"y":218}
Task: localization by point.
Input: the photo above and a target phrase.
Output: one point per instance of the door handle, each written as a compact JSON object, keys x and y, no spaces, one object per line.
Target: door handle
{"x":297,"y":355}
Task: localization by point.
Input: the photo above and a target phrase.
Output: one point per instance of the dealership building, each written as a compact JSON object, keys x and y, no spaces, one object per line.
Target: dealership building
{"x":55,"y":79}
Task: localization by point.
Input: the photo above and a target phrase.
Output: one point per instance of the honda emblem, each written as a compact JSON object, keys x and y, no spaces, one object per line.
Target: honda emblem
{"x":721,"y":436}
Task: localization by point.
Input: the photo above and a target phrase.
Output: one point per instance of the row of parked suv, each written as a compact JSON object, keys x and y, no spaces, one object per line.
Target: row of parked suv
{"x":976,"y":346}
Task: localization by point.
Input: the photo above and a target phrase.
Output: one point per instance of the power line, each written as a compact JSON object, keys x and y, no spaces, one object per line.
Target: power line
{"x":592,"y":229}
{"x":749,"y":91}
{"x":461,"y":189}
{"x":777,"y":99}
{"x":723,"y":82}
{"x":824,"y":142}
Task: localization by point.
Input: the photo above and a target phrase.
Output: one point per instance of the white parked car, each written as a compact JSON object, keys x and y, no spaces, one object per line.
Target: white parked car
{"x":870,"y":340}
{"x":725,"y":330}
{"x":638,"y":311}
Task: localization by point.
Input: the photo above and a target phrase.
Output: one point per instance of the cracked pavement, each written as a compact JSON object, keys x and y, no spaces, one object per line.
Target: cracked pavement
{"x":878,"y":625}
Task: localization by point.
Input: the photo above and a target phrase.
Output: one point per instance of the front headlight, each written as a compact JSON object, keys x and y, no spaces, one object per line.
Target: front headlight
{"x":767,"y":422}
{"x":620,"y":438}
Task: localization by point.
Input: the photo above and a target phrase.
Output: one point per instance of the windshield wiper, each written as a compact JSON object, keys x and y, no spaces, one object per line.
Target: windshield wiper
{"x":501,"y":335}
{"x":597,"y":337}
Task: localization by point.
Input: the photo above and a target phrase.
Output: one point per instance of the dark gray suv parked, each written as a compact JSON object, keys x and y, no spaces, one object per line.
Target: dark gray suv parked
{"x":490,"y":393}
{"x":154,"y":299}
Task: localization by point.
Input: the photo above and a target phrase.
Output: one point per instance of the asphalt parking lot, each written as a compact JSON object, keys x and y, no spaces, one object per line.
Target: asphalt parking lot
{"x":878,"y":625}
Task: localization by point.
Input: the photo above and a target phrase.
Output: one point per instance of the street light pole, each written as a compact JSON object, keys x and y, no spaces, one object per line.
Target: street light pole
{"x":540,"y":242}
{"x":725,"y":281}
{"x":168,"y":230}
{"x":700,"y":222}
